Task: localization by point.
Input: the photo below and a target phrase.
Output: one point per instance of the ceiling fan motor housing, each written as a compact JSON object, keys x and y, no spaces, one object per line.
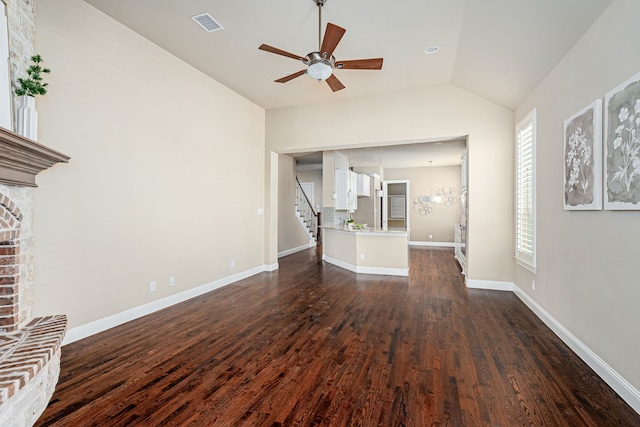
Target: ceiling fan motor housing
{"x":319,"y":67}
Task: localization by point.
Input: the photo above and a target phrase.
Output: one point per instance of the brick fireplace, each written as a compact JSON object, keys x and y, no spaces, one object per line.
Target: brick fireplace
{"x":29,"y":347}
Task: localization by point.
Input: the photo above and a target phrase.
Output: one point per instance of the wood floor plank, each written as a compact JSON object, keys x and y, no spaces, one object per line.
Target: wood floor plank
{"x":315,"y":345}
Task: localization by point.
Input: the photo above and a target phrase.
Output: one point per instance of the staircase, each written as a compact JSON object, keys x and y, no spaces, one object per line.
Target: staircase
{"x":308,"y":217}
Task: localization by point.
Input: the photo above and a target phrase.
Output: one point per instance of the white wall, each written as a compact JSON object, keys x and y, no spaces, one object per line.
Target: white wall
{"x":587,"y":276}
{"x":442,"y":112}
{"x":165,"y":177}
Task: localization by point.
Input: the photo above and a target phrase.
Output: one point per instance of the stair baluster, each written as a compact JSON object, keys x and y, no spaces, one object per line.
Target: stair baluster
{"x":308,"y":214}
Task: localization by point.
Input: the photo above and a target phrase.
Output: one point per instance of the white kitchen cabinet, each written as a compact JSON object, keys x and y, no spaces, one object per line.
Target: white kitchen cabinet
{"x":346,"y":190}
{"x":364,"y":185}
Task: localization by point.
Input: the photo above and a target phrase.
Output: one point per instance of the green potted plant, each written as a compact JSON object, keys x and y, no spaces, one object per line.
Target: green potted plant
{"x":28,"y":88}
{"x":33,"y":84}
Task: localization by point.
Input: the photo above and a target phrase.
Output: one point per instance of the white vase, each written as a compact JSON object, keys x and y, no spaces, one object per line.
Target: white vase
{"x":27,"y":118}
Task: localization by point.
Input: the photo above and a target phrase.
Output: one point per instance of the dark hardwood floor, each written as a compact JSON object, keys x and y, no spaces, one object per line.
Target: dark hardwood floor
{"x":312,"y":344}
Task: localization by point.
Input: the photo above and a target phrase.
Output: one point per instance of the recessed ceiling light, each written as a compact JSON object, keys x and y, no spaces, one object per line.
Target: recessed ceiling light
{"x":431,"y":50}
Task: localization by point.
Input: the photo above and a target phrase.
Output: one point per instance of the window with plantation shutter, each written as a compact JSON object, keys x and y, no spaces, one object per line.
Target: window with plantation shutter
{"x":526,"y":191}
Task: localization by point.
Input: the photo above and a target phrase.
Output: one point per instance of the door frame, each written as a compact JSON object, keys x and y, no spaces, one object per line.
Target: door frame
{"x":407,"y":193}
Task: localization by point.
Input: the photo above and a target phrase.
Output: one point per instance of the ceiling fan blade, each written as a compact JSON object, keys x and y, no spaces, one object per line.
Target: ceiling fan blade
{"x":332,"y":36}
{"x":361,"y":64}
{"x":334,"y":83}
{"x":277,"y":51}
{"x":290,"y":76}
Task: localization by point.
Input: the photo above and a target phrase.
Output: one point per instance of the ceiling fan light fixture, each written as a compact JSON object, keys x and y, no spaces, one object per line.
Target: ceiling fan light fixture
{"x":319,"y":70}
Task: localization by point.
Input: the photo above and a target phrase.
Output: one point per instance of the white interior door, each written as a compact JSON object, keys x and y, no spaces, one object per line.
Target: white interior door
{"x":308,"y":189}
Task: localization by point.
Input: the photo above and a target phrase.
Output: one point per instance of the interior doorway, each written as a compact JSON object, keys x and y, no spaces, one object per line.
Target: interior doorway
{"x":395,"y":205}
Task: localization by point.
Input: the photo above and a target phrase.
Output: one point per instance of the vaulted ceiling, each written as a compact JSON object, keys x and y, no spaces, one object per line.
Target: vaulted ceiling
{"x":498,"y":49}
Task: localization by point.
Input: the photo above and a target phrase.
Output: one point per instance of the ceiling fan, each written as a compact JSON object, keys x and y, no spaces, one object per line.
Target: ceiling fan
{"x":320,"y":64}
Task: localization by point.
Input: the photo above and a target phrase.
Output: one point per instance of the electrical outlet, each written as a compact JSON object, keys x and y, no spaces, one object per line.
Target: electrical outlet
{"x":533,"y":285}
{"x":361,"y":257}
{"x":172,"y":281}
{"x":153,"y":286}
{"x":431,"y":236}
{"x":233,"y":263}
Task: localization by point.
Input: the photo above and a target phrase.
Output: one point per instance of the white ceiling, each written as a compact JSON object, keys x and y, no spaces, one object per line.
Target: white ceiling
{"x":498,"y":49}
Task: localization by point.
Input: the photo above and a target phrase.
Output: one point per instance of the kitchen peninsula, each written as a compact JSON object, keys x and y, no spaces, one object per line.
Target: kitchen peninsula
{"x":369,"y":252}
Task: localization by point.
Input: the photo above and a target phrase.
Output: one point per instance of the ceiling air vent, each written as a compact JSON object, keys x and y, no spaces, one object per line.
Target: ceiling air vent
{"x":207,"y":22}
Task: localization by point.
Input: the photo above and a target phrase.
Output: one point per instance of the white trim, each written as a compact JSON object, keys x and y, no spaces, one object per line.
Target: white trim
{"x":491,"y":285}
{"x":387,"y":271}
{"x":339,"y":263}
{"x":435,"y":244}
{"x":272,"y":267}
{"x":527,"y":259}
{"x":100,"y":325}
{"x":306,"y":246}
{"x":625,"y":390}
{"x":525,"y":265}
{"x":407,"y":198}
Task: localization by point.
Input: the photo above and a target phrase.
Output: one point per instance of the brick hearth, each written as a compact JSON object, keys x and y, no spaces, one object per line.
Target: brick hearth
{"x":29,"y":348}
{"x":29,"y":369}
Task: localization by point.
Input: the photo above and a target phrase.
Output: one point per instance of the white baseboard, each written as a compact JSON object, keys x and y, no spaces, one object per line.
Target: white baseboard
{"x":297,"y":249}
{"x":100,"y":325}
{"x":383,"y":270}
{"x":272,"y":267}
{"x":491,"y":285}
{"x":625,"y":390}
{"x":368,"y":270}
{"x":434,"y":244}
{"x":339,"y":263}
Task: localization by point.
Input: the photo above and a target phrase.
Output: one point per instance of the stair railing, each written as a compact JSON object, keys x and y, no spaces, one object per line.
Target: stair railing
{"x":309,"y":215}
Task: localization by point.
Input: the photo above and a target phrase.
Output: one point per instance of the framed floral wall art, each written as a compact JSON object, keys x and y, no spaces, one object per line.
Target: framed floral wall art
{"x":622,"y":146}
{"x":583,"y":159}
